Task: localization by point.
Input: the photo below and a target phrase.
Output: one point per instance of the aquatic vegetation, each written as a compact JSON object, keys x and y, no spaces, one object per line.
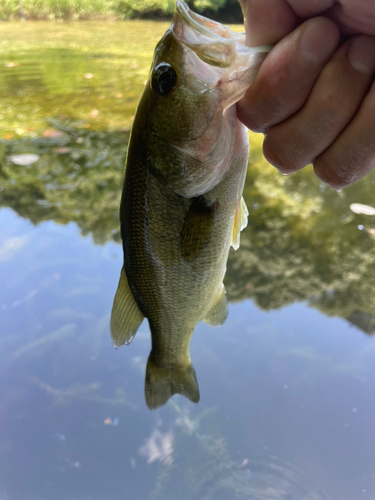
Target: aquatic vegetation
{"x":43,"y":76}
{"x":56,"y":336}
{"x":82,"y":392}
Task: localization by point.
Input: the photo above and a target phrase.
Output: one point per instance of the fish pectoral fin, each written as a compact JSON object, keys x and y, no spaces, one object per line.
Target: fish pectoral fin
{"x":162,"y":383}
{"x":219,"y":311}
{"x":197,"y":229}
{"x":126,"y":316}
{"x":239,"y":222}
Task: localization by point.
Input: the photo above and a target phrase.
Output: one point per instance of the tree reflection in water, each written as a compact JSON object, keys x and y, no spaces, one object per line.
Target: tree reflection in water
{"x":302,"y":242}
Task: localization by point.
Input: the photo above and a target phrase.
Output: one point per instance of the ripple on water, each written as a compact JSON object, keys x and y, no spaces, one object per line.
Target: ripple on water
{"x":268,"y":478}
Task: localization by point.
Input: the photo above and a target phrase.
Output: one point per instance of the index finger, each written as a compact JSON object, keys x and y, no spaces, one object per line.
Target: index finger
{"x":268,"y":21}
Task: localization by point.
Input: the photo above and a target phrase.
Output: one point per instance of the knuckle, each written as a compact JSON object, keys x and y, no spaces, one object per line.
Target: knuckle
{"x":329,"y":99}
{"x":280,"y":155}
{"x":335,"y":175}
{"x":250,"y":118}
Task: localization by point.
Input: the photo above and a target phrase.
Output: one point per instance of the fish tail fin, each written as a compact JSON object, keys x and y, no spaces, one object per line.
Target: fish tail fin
{"x":162,"y":383}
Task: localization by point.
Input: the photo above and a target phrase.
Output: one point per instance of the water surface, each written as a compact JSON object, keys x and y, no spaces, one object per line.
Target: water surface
{"x":287,"y":384}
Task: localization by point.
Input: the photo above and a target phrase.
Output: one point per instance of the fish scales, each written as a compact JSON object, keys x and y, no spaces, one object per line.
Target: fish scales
{"x":181,"y":206}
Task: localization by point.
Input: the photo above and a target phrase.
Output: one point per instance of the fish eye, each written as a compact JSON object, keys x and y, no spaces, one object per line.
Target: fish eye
{"x":163,"y":79}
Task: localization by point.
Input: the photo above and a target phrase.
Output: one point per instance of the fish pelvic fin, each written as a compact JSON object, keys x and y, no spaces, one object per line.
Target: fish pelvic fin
{"x":126,"y":316}
{"x":219,"y":311}
{"x":239,"y":223}
{"x":163,"y":383}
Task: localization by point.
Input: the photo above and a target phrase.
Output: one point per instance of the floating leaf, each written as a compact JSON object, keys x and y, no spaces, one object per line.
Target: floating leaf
{"x":52,"y":133}
{"x":62,"y":150}
{"x":25,"y":159}
{"x":358,"y":208}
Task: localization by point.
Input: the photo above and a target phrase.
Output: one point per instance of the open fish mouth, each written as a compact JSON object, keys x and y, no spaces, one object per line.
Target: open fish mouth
{"x":214,"y":43}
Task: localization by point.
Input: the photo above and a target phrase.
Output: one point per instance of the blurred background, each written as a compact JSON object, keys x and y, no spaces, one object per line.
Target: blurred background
{"x":226,"y":10}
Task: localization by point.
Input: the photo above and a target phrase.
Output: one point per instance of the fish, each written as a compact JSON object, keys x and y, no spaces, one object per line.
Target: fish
{"x":181,"y":206}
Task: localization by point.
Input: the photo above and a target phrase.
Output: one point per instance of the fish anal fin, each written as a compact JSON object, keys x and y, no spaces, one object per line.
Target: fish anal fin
{"x":197,"y":228}
{"x":239,"y":223}
{"x":163,"y":383}
{"x":219,"y":311}
{"x":126,"y":316}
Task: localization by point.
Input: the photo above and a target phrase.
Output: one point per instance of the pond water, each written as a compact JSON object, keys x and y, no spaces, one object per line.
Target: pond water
{"x":287,"y":383}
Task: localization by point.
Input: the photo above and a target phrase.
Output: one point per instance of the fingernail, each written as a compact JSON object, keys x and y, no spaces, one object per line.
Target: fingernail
{"x":318,"y":40}
{"x":361,"y":55}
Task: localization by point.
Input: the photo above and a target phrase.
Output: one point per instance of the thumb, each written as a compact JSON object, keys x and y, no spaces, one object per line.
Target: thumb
{"x":267,"y":21}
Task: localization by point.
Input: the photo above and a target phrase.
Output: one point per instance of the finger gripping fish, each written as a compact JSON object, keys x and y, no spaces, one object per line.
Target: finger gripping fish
{"x":181,"y":205}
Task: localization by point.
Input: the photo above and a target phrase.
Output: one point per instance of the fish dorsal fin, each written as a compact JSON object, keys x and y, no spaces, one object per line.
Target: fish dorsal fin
{"x":197,"y":229}
{"x":162,"y":383}
{"x":126,"y":316}
{"x":219,"y":311}
{"x":239,"y":222}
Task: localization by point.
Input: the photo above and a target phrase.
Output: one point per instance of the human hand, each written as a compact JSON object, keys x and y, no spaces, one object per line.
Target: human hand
{"x":313,"y":97}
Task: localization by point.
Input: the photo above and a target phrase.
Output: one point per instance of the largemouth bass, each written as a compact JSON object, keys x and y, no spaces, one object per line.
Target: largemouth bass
{"x":181,"y":206}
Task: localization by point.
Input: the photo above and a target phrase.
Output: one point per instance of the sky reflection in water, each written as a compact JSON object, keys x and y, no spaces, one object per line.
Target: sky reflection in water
{"x":286,"y":409}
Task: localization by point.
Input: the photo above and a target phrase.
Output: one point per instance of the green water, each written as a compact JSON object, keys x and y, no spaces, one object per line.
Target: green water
{"x":49,"y":76}
{"x":287,"y":383}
